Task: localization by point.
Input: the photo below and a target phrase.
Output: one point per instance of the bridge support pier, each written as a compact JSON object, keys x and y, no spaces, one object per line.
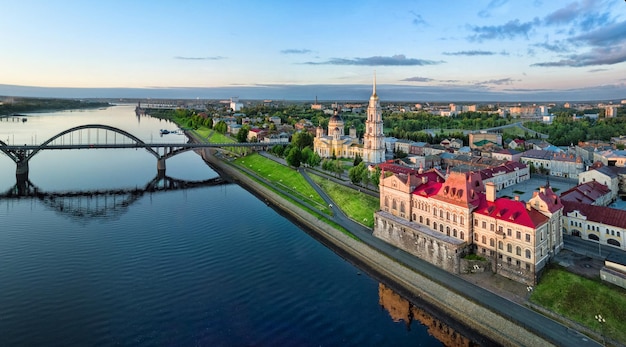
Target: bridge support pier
{"x":21,"y":174}
{"x":161,"y":168}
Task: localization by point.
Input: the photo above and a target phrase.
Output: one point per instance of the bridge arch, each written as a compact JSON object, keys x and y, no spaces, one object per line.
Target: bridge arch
{"x":8,"y":153}
{"x":95,"y":126}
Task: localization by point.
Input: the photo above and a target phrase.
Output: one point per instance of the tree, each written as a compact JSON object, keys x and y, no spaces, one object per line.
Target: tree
{"x":294,"y":157}
{"x":357,"y":160}
{"x":314,"y":160}
{"x":242,"y":134}
{"x":375,"y":176}
{"x":221,"y":127}
{"x":302,"y":139}
{"x":355,"y":173}
{"x":307,"y":153}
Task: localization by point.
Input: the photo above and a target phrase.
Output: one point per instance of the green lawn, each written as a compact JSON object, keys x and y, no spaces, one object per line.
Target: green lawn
{"x":581,"y":299}
{"x":219,"y":138}
{"x":356,"y":205}
{"x":283,"y":177}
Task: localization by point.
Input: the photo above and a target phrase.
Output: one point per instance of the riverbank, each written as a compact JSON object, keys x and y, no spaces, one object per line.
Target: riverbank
{"x":496,"y":327}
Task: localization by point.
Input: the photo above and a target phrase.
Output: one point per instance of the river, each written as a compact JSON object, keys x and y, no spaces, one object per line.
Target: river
{"x":208,"y":266}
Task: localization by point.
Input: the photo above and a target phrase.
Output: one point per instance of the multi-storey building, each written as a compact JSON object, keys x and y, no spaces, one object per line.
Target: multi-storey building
{"x":441,"y":219}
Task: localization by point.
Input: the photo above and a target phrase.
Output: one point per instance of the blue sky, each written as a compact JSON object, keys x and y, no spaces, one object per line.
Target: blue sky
{"x":564,"y":49}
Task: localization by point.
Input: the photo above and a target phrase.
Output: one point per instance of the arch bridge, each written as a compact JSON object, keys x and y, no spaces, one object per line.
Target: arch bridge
{"x":98,"y":136}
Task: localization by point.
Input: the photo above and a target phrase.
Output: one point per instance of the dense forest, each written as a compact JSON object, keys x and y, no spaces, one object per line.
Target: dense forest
{"x":21,"y":105}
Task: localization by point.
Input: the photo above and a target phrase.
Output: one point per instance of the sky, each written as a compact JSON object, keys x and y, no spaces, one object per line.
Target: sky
{"x":419,"y":50}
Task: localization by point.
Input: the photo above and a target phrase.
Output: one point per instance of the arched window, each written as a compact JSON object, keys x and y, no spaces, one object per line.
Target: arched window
{"x":454,"y":232}
{"x":447,"y":215}
{"x":386,"y":201}
{"x":518,"y":250}
{"x":441,"y":227}
{"x":394,"y":205}
{"x":461,"y":221}
{"x":428,"y":221}
{"x":454,"y":218}
{"x":435,"y":225}
{"x":421,"y":220}
{"x":402,"y":206}
{"x":441,"y":214}
{"x":435,"y":211}
{"x":528,"y":254}
{"x":593,"y":237}
{"x":509,"y":247}
{"x":484,"y":239}
{"x":613,"y":242}
{"x":492,"y":242}
{"x":499,"y":244}
{"x":414,"y":216}
{"x":462,"y":235}
{"x":475,"y":236}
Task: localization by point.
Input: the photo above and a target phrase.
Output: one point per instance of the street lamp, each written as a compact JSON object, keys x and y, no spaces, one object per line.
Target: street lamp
{"x":601,"y":320}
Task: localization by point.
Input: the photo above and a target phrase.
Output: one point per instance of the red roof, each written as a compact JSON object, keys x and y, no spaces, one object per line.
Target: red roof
{"x":432,"y":186}
{"x":552,"y":200}
{"x":511,"y":211}
{"x":598,"y":214}
{"x":461,"y":188}
{"x":397,"y":169}
{"x":587,"y":192}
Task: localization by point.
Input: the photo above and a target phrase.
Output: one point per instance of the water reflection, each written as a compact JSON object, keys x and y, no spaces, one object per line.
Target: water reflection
{"x":108,"y":203}
{"x":400,"y":309}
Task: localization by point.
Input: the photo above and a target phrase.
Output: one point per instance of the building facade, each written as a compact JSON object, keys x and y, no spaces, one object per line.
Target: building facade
{"x":442,"y":219}
{"x":374,"y":139}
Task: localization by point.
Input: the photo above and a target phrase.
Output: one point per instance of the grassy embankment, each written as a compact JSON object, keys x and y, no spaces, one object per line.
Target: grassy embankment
{"x":581,"y":299}
{"x":358,"y":206}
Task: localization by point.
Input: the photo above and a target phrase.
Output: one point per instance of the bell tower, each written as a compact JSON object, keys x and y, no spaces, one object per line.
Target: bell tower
{"x":373,"y":139}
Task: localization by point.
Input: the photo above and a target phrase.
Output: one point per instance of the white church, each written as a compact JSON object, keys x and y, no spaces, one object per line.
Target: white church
{"x":336,"y":142}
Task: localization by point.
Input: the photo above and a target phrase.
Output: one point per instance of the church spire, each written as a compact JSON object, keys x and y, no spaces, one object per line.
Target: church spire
{"x":374,"y":89}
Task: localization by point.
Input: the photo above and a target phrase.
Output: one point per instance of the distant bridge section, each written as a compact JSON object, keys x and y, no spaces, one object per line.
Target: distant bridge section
{"x":98,"y":136}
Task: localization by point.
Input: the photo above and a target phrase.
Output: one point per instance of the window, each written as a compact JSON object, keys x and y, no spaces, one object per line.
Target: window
{"x":508,"y":232}
{"x":528,"y":254}
{"x":518,"y":250}
{"x":618,"y":234}
{"x":492,"y":227}
{"x":447,"y":215}
{"x":509,"y":248}
{"x":441,"y":214}
{"x":476,"y":237}
{"x":492,"y":242}
{"x":527,"y":237}
{"x":454,"y":232}
{"x":421,"y":220}
{"x":428,"y":221}
{"x":441,"y":227}
{"x":527,"y":266}
{"x":461,"y":220}
{"x":462,"y":235}
{"x":435,"y":225}
{"x":386,"y":201}
{"x":517,"y":262}
{"x":402,"y":206}
{"x":476,"y":222}
{"x":435,"y":211}
{"x":484,"y":239}
{"x":454,"y":218}
{"x":499,"y":244}
{"x":484,"y":225}
{"x":518,"y":235}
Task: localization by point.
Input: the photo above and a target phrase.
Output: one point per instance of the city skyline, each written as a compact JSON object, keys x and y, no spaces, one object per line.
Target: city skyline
{"x":454,"y":50}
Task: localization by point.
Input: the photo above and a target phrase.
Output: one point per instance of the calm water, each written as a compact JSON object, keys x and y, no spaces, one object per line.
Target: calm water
{"x":207,"y":266}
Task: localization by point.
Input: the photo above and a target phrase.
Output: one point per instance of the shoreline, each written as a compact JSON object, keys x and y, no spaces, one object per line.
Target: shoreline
{"x":500,"y":329}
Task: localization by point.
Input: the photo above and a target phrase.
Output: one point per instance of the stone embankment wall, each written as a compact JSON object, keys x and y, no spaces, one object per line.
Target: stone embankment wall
{"x":486,"y":322}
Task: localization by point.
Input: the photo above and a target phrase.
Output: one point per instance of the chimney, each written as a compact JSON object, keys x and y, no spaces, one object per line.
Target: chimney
{"x":490,"y":188}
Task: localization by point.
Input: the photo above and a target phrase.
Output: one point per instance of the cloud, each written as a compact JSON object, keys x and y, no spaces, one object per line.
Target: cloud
{"x":557,"y":46}
{"x":200,"y":58}
{"x":581,"y":15}
{"x":502,"y":81}
{"x":596,"y":56}
{"x":475,"y":52}
{"x":607,"y":47}
{"x":563,"y":15}
{"x":598,"y":70}
{"x":417,"y":79}
{"x":492,"y":5}
{"x":418,"y":20}
{"x":295,"y":51}
{"x":510,"y":30}
{"x":607,"y":35}
{"x":396,"y":60}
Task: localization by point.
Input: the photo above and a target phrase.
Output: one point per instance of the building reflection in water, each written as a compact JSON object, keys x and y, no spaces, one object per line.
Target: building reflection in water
{"x":400,"y":309}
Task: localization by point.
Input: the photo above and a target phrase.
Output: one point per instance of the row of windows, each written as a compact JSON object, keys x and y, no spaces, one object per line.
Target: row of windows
{"x":509,"y":247}
{"x":455,"y":218}
{"x":509,"y":231}
{"x":509,"y":259}
{"x":596,"y":228}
